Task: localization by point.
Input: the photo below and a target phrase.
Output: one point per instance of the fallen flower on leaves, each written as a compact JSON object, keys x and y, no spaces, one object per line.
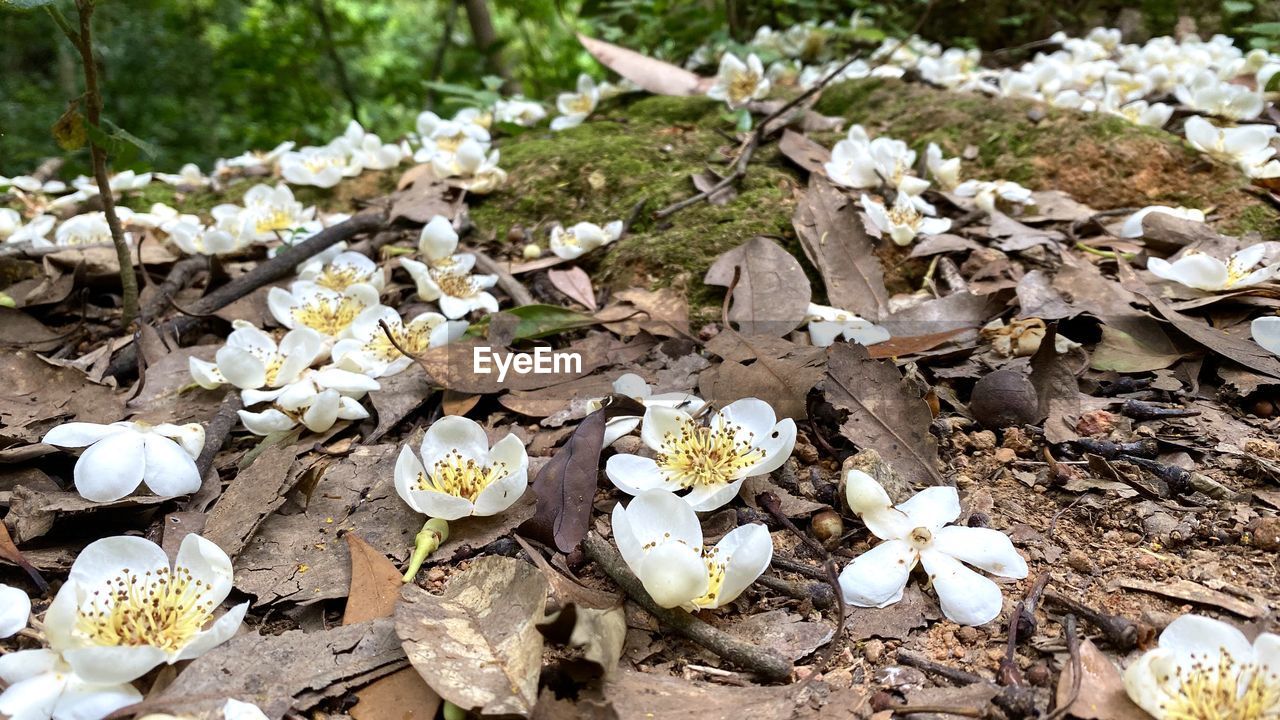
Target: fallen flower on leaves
{"x":904,"y":221}
{"x":710,"y":460}
{"x":1132,"y":227}
{"x":369,"y":351}
{"x":343,"y":271}
{"x":123,"y":455}
{"x":634,"y":387}
{"x":251,"y":360}
{"x":827,"y":323}
{"x":328,"y":312}
{"x":124,"y":610}
{"x":989,"y":195}
{"x":1205,"y":668}
{"x":42,"y":686}
{"x":660,"y":538}
{"x":317,"y":400}
{"x":916,"y":532}
{"x":1204,"y":272}
{"x":456,"y":474}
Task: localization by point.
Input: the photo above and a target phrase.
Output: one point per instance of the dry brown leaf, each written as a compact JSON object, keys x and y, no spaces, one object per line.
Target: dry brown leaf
{"x":907,"y":345}
{"x":576,"y":284}
{"x":1121,"y":352}
{"x":402,"y":695}
{"x":647,"y":696}
{"x":477,"y":645}
{"x":33,"y":512}
{"x":423,"y":199}
{"x":804,"y":152}
{"x":833,"y":239}
{"x":549,"y":400}
{"x":35,"y":396}
{"x":253,"y":495}
{"x":1102,"y":695}
{"x":894,"y":622}
{"x":18,"y":330}
{"x":1056,"y":388}
{"x":707,"y":180}
{"x":772,"y":293}
{"x":885,"y":412}
{"x":1193,"y":592}
{"x":375,"y":583}
{"x":399,"y":396}
{"x":275,"y":672}
{"x":782,"y":373}
{"x":664,"y":313}
{"x":784,"y":632}
{"x":656,"y":76}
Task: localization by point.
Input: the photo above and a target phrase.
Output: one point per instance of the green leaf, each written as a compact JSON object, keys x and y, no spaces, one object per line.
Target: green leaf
{"x":69,"y":131}
{"x":537,"y":321}
{"x":1236,"y":7}
{"x":1273,"y":84}
{"x":744,"y":120}
{"x":118,"y":142}
{"x":1263,"y":28}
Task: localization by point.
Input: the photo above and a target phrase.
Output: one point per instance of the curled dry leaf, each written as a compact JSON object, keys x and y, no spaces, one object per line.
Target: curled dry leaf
{"x":772,"y":293}
{"x":576,"y":284}
{"x":656,"y":76}
{"x":1057,"y":390}
{"x":566,"y":486}
{"x":780,"y":372}
{"x":477,"y":645}
{"x":1102,"y":695}
{"x":375,"y":583}
{"x":835,"y":242}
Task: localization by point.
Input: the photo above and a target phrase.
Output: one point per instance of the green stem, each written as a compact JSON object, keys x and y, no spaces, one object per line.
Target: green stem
{"x":1109,"y":254}
{"x":433,"y":532}
{"x":453,"y":712}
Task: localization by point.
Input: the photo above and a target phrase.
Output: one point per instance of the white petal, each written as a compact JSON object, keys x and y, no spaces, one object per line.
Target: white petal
{"x":966,"y":597}
{"x":205,"y":373}
{"x":241,"y":367}
{"x":111,"y":665}
{"x":705,"y":498}
{"x":660,"y":423}
{"x":266,"y":422}
{"x":168,"y":471}
{"x":235,"y":710}
{"x":437,"y":240}
{"x":281,"y":303}
{"x":190,"y":437}
{"x":932,"y":507}
{"x":86,"y":701}
{"x":870,"y":502}
{"x":633,"y":474}
{"x":458,"y":434}
{"x":753,"y":417}
{"x":323,"y":411}
{"x":877,"y":577}
{"x":1266,"y":652}
{"x":1200,"y":635}
{"x":80,"y":434}
{"x":408,"y":469}
{"x":15,"y":610}
{"x":745,"y":553}
{"x":441,"y":505}
{"x":503,"y":493}
{"x":673,"y":574}
{"x":658,"y":515}
{"x":983,"y":548}
{"x":22,"y":664}
{"x":1143,"y":684}
{"x":776,"y":445}
{"x":111,"y":468}
{"x":222,"y":630}
{"x":33,"y":698}
{"x":208,"y":563}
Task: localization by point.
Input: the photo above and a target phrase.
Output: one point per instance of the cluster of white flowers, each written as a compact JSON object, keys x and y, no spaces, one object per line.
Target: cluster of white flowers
{"x":461,"y":147}
{"x":347,"y":155}
{"x":124,"y":610}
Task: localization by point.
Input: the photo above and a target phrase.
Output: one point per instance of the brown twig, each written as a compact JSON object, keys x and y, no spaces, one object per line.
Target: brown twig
{"x":955,"y":675}
{"x":1123,"y":634}
{"x":391,"y":337}
{"x":1022,"y":624}
{"x":1073,"y":647}
{"x":519,"y":294}
{"x":747,"y":656}
{"x":215,"y":436}
{"x":269,"y":271}
{"x":820,"y":594}
{"x":180,"y":275}
{"x":961,"y":710}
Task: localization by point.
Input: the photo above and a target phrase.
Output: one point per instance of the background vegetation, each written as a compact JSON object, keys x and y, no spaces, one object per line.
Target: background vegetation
{"x":201,"y":79}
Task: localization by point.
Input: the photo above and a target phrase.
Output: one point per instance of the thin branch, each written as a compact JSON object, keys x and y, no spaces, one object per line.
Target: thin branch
{"x":520,"y":295}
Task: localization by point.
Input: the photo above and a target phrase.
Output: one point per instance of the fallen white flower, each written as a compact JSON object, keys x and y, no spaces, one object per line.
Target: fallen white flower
{"x":1247,"y":146}
{"x":916,"y":532}
{"x":582,"y":238}
{"x":660,"y":539}
{"x":711,"y":459}
{"x":123,"y":610}
{"x":576,"y":107}
{"x":945,"y":171}
{"x":40,"y":685}
{"x":1205,"y":272}
{"x":250,"y":358}
{"x":635,"y":387}
{"x":827,"y":323}
{"x":189,"y":176}
{"x":343,"y":271}
{"x":330,"y":313}
{"x":369,"y":351}
{"x":519,"y":111}
{"x":1266,"y":332}
{"x":123,"y":455}
{"x":1132,"y":226}
{"x":987,"y":194}
{"x":34,"y":231}
{"x":738,"y":83}
{"x":317,"y":400}
{"x":903,"y":222}
{"x":90,"y":229}
{"x":1205,"y":668}
{"x":455,"y":291}
{"x":456,"y":474}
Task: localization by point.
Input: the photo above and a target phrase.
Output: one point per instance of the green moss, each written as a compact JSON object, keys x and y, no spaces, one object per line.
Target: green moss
{"x":1259,"y":219}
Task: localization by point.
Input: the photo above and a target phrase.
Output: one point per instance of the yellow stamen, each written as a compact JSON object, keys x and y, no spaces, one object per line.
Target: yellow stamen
{"x":162,"y":609}
{"x":341,"y":277}
{"x":328,"y":316}
{"x":273,"y":220}
{"x":579,"y":105}
{"x":715,"y":578}
{"x":1227,"y":690}
{"x":743,"y":86}
{"x":415,"y":341}
{"x":700,"y":455}
{"x":456,"y":285}
{"x":460,"y":477}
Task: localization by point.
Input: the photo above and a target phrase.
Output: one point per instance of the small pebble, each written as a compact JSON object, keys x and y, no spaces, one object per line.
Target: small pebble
{"x":873,"y":651}
{"x":1266,"y":533}
{"x":969,"y":635}
{"x":983,"y":440}
{"x":1005,"y":455}
{"x":1080,"y":561}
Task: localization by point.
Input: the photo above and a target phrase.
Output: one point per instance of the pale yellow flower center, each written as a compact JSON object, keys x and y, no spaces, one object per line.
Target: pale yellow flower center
{"x":341,"y":277}
{"x":904,"y":215}
{"x":328,"y":316}
{"x":416,"y":341}
{"x":460,"y":477}
{"x":162,"y":609}
{"x":715,"y":578}
{"x":743,"y":86}
{"x":700,"y":455}
{"x":456,"y":284}
{"x":1227,"y":690}
{"x":1236,"y":272}
{"x":579,"y":105}
{"x":920,"y":538}
{"x":272,"y":220}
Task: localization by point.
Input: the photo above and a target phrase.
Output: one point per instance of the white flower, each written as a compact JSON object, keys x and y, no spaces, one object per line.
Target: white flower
{"x":487,"y":177}
{"x":576,"y":107}
{"x":987,"y":193}
{"x":198,"y":239}
{"x":236,"y":710}
{"x":634,"y":387}
{"x":15,"y":610}
{"x":1140,"y":112}
{"x":828,"y":323}
{"x":945,"y":171}
{"x":119,"y":183}
{"x":34,"y":231}
{"x":89,"y":229}
{"x":465,"y":161}
{"x":10,"y":221}
{"x":710,"y":459}
{"x":917,"y":532}
{"x":253,"y":160}
{"x":125,"y":454}
{"x":1209,"y":94}
{"x":342,"y":271}
{"x":438,"y":246}
{"x":860,"y":162}
{"x":1266,"y":332}
{"x":189,"y":176}
{"x":456,"y":474}
{"x":328,"y":312}
{"x":251,"y":360}
{"x":160,"y":217}
{"x":456,"y":292}
{"x":123,"y":611}
{"x":370,"y":352}
{"x":519,"y":111}
{"x":1132,"y":227}
{"x":1205,"y":272}
{"x":903,"y":222}
{"x":367,"y":150}
{"x":661,"y":541}
{"x":442,"y":140}
{"x":738,"y":83}
{"x":317,"y":400}
{"x":1248,"y":146}
{"x":583,"y":238}
{"x":42,"y":686}
{"x":268,"y":214}
{"x":319,"y":166}
{"x":1205,"y":668}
